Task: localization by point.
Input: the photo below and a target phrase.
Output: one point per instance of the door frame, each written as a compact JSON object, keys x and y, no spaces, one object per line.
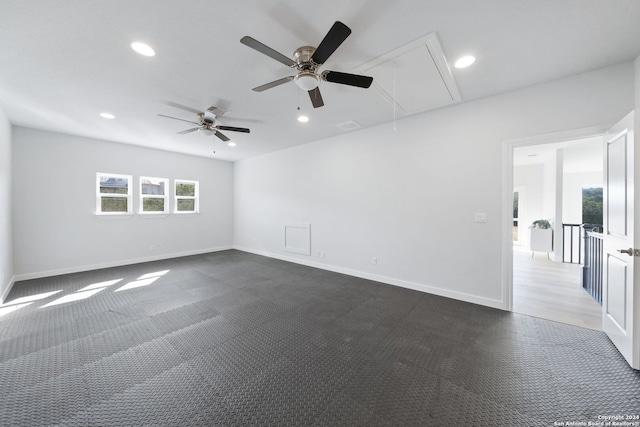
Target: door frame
{"x":507,"y":194}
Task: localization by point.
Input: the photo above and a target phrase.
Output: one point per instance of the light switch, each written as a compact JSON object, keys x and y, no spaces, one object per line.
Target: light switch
{"x":481,"y":217}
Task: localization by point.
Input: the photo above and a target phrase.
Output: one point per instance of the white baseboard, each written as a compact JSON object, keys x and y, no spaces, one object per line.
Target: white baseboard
{"x":475,"y":299}
{"x":78,"y":269}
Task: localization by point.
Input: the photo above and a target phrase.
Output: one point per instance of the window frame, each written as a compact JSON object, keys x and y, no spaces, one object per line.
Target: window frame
{"x":142,"y":196}
{"x":128,"y":196}
{"x":195,"y":197}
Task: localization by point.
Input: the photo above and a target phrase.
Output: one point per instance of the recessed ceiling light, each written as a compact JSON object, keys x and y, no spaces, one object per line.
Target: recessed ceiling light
{"x":465,"y":61}
{"x":231,"y":144}
{"x":143,"y":49}
{"x":303,"y":119}
{"x":106,"y":115}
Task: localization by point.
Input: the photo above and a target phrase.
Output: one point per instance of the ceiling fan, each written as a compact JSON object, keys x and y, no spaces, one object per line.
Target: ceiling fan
{"x":206,"y":123}
{"x":307,"y":60}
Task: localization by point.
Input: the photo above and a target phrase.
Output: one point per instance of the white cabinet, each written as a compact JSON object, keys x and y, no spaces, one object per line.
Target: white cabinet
{"x":541,"y":240}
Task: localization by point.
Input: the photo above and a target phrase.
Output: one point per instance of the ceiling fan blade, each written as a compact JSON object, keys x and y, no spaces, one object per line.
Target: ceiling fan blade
{"x":273,"y":84}
{"x":240,"y":119}
{"x":234,"y":129}
{"x":183,"y":107}
{"x":266,"y":50}
{"x":182,"y":120}
{"x":316,"y":98}
{"x":182,"y":132}
{"x":334,"y":38}
{"x":217,"y":111}
{"x":347,"y":79}
{"x":222,"y":136}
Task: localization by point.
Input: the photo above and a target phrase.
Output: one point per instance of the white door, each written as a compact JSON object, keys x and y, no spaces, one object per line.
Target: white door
{"x":620,"y":296}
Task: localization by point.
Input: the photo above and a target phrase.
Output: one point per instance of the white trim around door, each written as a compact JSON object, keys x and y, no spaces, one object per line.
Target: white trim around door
{"x":507,"y":194}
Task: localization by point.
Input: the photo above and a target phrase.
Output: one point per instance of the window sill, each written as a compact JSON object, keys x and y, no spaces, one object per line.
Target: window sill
{"x":186,"y":214}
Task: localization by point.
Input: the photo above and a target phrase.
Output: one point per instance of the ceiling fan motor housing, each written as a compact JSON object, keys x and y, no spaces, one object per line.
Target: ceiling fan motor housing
{"x":302,"y":56}
{"x":307,"y":79}
{"x":207,"y":117}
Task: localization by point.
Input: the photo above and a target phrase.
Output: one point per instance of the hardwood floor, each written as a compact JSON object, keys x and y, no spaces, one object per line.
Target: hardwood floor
{"x":551,"y":290}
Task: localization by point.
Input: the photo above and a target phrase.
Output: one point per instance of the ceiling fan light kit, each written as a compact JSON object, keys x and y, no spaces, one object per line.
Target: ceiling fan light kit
{"x":307,"y":60}
{"x":307,"y":80}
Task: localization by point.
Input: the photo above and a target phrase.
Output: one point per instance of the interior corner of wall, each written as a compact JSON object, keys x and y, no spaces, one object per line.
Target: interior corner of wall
{"x":4,"y":293}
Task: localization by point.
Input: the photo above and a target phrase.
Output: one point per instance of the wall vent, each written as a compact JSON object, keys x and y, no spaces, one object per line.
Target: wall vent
{"x":297,"y":238}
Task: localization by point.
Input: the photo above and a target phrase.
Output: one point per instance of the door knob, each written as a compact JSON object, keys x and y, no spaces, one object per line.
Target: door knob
{"x":626,"y":251}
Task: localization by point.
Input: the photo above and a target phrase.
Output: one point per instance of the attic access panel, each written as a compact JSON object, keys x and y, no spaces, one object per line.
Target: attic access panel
{"x":415,"y":77}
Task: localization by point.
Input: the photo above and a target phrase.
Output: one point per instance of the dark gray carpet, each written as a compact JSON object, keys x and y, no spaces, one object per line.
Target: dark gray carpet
{"x":231,"y":338}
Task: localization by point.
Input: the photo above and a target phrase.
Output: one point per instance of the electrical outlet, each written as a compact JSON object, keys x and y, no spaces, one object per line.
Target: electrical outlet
{"x":152,"y":247}
{"x":374,"y":260}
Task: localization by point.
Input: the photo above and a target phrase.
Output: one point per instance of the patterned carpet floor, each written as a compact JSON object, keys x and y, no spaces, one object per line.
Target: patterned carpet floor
{"x":231,"y":338}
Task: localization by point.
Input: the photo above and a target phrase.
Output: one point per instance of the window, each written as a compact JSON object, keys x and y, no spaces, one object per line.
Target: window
{"x":186,"y":196}
{"x":153,"y":195}
{"x":113,"y":193}
{"x":592,"y":206}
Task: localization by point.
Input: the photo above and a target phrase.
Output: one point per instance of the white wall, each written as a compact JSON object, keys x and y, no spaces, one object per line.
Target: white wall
{"x":550,"y":177}
{"x":6,"y":235}
{"x":408,"y":197}
{"x":54,"y":185}
{"x":531,"y":178}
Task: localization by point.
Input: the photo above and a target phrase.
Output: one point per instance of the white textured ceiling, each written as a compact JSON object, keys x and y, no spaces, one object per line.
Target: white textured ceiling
{"x":64,"y":61}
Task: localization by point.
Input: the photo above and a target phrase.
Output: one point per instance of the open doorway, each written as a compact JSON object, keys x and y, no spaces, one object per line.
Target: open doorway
{"x":548,"y":181}
{"x":519,"y":202}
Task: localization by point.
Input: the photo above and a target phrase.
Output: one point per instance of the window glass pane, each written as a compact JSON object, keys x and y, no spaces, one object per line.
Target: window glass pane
{"x":592,"y":205}
{"x":186,"y":205}
{"x":152,"y":186}
{"x":152,"y":205}
{"x":112,"y":184}
{"x":185,"y":189}
{"x":113,"y":204}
